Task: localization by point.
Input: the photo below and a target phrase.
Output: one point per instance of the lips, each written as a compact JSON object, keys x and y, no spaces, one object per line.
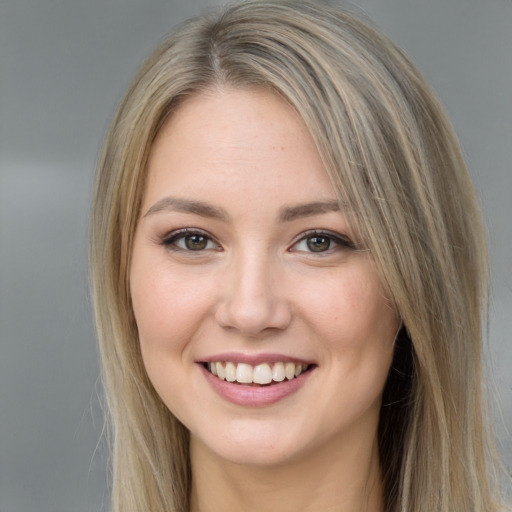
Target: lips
{"x":255,"y":381}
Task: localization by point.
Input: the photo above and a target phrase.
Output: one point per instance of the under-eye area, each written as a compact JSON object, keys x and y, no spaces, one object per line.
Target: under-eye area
{"x":264,"y":374}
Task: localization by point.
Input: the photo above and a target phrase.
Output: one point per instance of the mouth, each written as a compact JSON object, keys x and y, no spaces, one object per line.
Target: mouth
{"x":264,"y":374}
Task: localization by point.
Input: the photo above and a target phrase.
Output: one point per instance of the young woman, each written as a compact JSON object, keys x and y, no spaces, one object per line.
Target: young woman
{"x":289,"y":274}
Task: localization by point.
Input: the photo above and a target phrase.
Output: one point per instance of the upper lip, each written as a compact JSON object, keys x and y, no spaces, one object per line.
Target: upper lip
{"x":254,"y":359}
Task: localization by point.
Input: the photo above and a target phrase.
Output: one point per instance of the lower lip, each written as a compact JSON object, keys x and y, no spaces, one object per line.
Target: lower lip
{"x":255,"y":396}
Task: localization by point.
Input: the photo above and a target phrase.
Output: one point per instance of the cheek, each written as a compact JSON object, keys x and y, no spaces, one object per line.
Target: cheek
{"x":351,"y":311}
{"x":168,"y":307}
{"x":355,"y":327}
{"x":168,"y":312}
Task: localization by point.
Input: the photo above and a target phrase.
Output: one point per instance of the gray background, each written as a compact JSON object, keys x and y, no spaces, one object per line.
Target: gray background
{"x":63,"y":67}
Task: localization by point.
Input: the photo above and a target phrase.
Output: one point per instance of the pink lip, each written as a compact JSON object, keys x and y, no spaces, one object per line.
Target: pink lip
{"x":254,"y":396}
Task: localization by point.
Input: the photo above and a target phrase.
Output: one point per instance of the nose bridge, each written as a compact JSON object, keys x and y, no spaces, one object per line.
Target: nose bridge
{"x":254,"y":299}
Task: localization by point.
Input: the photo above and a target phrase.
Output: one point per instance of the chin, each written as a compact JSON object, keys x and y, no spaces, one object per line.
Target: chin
{"x":257,"y":445}
{"x":256,"y":456}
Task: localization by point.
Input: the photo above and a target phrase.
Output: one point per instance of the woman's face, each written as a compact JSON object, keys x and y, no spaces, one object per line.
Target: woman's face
{"x":263,"y":324}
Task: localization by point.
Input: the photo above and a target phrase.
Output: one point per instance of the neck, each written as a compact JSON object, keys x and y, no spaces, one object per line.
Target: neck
{"x":345,"y":477}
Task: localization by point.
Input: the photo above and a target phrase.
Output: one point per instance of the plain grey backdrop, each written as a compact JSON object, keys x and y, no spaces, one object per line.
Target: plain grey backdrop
{"x":63,"y":67}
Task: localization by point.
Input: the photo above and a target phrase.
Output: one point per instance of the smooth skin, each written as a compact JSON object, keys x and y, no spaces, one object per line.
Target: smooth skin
{"x":233,"y":254}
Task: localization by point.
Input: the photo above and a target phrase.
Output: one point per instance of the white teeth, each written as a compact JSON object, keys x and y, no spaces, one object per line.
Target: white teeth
{"x":278,"y":374}
{"x":230,"y":372}
{"x":264,"y":373}
{"x":289,"y":371}
{"x":244,"y":373}
{"x":221,"y":372}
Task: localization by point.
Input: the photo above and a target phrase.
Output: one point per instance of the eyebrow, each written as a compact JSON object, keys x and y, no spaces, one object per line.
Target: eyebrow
{"x":289,"y":213}
{"x":188,"y":206}
{"x":203,"y":209}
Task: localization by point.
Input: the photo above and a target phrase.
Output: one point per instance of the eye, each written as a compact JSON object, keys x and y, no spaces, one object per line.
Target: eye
{"x":320,"y":242}
{"x":190,"y":241}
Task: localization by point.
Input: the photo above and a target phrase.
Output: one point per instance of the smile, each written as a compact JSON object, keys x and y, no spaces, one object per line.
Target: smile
{"x":261,"y":374}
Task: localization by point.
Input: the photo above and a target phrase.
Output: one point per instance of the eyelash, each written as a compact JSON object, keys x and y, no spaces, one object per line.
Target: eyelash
{"x":170,"y":241}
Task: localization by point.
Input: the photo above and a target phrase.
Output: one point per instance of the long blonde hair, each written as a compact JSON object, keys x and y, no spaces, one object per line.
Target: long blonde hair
{"x":393,"y":157}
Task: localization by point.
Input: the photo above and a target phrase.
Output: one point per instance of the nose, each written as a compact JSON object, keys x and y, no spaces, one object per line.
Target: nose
{"x":253,"y":298}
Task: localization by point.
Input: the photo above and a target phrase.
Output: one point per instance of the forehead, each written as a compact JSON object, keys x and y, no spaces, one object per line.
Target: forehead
{"x":247,"y":141}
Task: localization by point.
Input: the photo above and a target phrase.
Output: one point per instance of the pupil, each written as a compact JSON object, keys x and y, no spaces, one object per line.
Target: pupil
{"x":318,"y":243}
{"x":195,"y":242}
